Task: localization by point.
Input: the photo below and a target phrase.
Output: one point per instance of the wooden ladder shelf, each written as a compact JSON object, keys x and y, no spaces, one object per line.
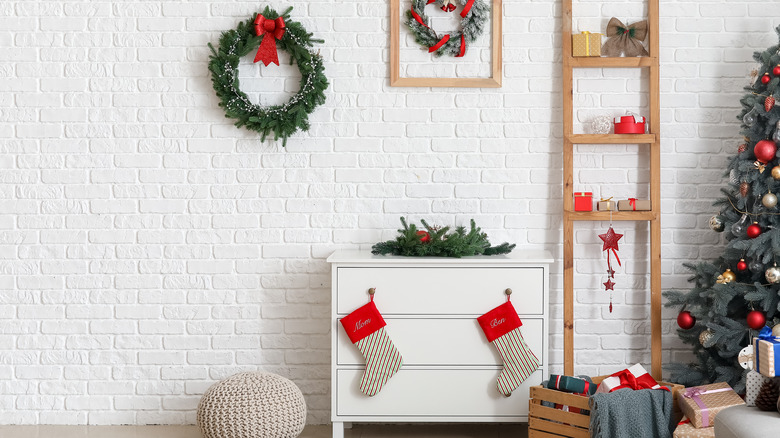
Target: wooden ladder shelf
{"x":653,"y":216}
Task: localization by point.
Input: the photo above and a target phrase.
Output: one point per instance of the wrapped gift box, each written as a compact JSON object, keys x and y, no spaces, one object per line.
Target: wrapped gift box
{"x":583,"y":201}
{"x":767,"y":352}
{"x":633,"y":204}
{"x":701,"y":404}
{"x":753,"y":384}
{"x":686,"y":430}
{"x":571,"y":384}
{"x":636,"y":373}
{"x":606,"y":205}
{"x":586,"y":44}
{"x":630,"y":125}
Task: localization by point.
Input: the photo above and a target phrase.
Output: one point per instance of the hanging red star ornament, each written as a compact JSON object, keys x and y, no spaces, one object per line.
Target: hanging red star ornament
{"x":610,"y":239}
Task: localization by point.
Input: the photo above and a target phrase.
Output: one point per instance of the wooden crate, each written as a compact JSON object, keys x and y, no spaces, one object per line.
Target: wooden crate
{"x":544,"y":422}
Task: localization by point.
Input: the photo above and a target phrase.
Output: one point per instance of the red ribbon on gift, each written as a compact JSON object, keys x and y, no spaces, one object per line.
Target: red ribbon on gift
{"x":628,"y":380}
{"x":632,"y":202}
{"x":270,"y":30}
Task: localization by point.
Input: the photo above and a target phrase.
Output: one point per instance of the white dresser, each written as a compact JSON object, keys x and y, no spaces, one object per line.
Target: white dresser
{"x":430,"y":306}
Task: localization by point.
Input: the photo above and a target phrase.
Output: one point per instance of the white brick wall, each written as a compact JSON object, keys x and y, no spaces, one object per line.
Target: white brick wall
{"x":148,"y":248}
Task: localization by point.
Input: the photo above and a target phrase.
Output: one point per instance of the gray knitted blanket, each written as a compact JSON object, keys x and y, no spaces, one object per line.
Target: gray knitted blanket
{"x":626,"y":413}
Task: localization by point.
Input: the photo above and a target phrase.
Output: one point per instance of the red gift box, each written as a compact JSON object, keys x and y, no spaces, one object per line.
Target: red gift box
{"x":583,"y":201}
{"x":629,"y":125}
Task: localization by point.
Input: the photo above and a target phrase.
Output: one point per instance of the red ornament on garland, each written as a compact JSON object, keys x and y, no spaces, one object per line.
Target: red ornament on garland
{"x":765,"y":151}
{"x":754,"y":230}
{"x":685,"y":320}
{"x":424,"y":236}
{"x":769,"y":103}
{"x":741,"y":148}
{"x":742,"y":266}
{"x":756,"y":319}
{"x":776,"y":70}
{"x":765,"y":79}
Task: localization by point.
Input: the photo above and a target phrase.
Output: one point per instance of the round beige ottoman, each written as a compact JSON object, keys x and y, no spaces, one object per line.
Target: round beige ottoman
{"x":252,"y":405}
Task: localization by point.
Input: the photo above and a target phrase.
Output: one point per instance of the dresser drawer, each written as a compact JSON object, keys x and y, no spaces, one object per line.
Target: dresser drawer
{"x":440,"y":291}
{"x":441,"y":341}
{"x":433,"y":392}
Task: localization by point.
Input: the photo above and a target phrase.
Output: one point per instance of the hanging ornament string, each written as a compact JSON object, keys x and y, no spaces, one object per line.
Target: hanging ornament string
{"x":610,"y":239}
{"x":748,"y":213}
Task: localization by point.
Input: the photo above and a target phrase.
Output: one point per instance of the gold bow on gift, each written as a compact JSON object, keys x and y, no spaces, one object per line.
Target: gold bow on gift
{"x":624,"y":39}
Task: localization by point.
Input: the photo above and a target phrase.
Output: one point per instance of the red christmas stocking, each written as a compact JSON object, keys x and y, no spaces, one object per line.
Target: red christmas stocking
{"x":502,"y":327}
{"x":366,"y":329}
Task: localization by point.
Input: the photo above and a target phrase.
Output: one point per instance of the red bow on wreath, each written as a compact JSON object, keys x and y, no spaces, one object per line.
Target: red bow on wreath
{"x":270,"y":30}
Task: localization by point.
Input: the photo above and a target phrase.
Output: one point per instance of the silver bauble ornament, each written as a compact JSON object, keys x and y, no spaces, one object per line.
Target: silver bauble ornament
{"x":769,"y":200}
{"x":733,"y":176}
{"x":705,"y":337}
{"x":776,"y":134}
{"x":755,"y":266}
{"x":776,"y":331}
{"x":750,"y":118}
{"x":739,"y":227}
{"x":745,"y":357}
{"x":601,"y":125}
{"x":773,"y":275}
{"x":717,"y":224}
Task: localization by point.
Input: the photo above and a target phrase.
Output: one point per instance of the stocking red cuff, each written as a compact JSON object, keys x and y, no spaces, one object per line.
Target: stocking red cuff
{"x":499,"y":321}
{"x":362,"y":322}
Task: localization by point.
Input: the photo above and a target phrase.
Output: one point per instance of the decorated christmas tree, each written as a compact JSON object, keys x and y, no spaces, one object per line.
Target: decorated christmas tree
{"x":735,"y":295}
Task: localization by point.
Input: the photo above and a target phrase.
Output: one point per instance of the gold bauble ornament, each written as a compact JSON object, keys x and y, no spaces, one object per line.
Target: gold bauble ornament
{"x":726,"y":277}
{"x":776,"y":330}
{"x":705,"y":337}
{"x":776,"y":172}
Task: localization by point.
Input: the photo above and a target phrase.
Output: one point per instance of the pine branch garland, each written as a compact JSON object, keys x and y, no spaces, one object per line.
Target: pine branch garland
{"x":439,"y":243}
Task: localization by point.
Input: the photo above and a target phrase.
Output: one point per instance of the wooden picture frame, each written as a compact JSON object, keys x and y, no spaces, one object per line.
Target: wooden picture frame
{"x":494,"y":81}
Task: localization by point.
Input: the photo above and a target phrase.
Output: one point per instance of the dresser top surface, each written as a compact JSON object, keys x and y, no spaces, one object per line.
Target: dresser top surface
{"x":515,"y":257}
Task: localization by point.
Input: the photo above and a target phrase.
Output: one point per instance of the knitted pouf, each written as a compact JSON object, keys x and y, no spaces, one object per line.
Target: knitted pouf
{"x":252,"y":405}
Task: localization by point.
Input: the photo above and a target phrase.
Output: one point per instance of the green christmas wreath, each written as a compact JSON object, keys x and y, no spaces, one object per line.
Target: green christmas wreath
{"x":435,"y":242}
{"x":264,"y":33}
{"x":474,"y":20}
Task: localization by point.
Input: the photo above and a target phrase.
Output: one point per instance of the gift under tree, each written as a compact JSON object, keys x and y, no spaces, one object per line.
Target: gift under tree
{"x":735,"y":295}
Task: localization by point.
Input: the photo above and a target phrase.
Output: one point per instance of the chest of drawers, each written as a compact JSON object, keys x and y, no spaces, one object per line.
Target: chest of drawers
{"x":430,"y":306}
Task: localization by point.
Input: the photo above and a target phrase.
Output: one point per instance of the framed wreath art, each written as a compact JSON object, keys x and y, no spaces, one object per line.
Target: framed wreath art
{"x":475,"y":18}
{"x":267,"y":32}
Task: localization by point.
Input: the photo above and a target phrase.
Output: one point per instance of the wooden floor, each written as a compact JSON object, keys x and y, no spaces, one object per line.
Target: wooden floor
{"x":357,"y":431}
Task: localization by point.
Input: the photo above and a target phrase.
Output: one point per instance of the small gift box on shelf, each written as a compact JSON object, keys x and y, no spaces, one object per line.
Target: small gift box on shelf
{"x":686,"y":430}
{"x":631,"y":124}
{"x":634,"y":204}
{"x":766,"y":348}
{"x":583,"y":201}
{"x":635,"y":377}
{"x":701,"y":404}
{"x":586,"y":44}
{"x":606,"y":204}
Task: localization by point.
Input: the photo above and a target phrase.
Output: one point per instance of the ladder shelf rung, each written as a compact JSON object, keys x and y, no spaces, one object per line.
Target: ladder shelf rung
{"x":615,"y":216}
{"x":605,"y":62}
{"x":612,"y":138}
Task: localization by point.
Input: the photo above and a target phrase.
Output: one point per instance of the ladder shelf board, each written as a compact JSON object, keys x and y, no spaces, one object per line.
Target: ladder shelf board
{"x":616,"y":215}
{"x":604,"y":62}
{"x":612,"y":138}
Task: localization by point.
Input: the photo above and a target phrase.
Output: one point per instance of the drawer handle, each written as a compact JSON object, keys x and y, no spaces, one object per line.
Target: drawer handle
{"x":372,"y":291}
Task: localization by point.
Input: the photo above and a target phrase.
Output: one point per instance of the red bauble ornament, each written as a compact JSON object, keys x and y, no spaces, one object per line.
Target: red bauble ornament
{"x":776,"y":70}
{"x":424,"y":236}
{"x":756,"y":319}
{"x":765,"y":79}
{"x":765,"y":151}
{"x":685,"y":320}
{"x":742,"y":266}
{"x":753,"y":230}
{"x":769,"y":103}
